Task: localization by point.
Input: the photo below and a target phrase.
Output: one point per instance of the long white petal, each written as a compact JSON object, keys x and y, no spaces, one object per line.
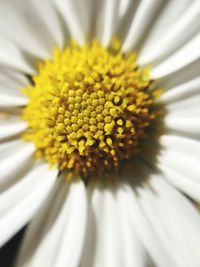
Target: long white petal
{"x":72,"y":14}
{"x":11,"y":56}
{"x":20,"y":203}
{"x":184,"y":75}
{"x":183,"y":57}
{"x":11,"y":84}
{"x":190,"y":126}
{"x":108,"y":246}
{"x":174,"y":219}
{"x":128,"y":9}
{"x":166,"y":39}
{"x":187,"y":108}
{"x":7,"y":148}
{"x":111,"y":239}
{"x":182,"y":91}
{"x":90,"y":238}
{"x":28,"y":26}
{"x":11,"y":101}
{"x":183,"y":183}
{"x":107,"y":20}
{"x":182,"y":163}
{"x":133,"y":251}
{"x":164,"y":21}
{"x":123,"y":7}
{"x":53,"y":27}
{"x":178,"y":161}
{"x":184,"y":145}
{"x":11,"y":125}
{"x":61,"y":225}
{"x":177,"y":112}
{"x":14,"y":158}
{"x":145,"y":231}
{"x":146,"y":13}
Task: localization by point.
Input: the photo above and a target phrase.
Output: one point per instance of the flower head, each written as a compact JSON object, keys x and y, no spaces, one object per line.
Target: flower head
{"x":88,"y":109}
{"x":101,"y":161}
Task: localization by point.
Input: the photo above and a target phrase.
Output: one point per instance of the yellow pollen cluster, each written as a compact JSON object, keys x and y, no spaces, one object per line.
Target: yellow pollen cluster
{"x":88,"y":107}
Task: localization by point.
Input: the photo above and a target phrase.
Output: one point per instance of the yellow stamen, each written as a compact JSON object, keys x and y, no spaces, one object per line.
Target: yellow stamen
{"x":88,"y":107}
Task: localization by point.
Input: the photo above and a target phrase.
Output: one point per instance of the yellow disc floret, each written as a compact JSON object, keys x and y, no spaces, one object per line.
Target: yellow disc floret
{"x":88,"y":108}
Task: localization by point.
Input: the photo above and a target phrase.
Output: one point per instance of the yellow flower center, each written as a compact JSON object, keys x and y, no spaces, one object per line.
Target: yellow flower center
{"x":88,"y":108}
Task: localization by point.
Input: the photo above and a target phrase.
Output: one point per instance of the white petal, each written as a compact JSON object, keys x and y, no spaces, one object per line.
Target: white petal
{"x":72,"y":13}
{"x":25,"y":185}
{"x":170,"y":35}
{"x":107,"y":20}
{"x":128,"y":9}
{"x":61,"y":224}
{"x":188,"y":125}
{"x":183,"y":183}
{"x":183,"y":57}
{"x":181,"y":144}
{"x":84,"y":12}
{"x":146,"y":233}
{"x":111,"y":239}
{"x":183,"y":109}
{"x":175,"y":220}
{"x":123,"y":7}
{"x":134,"y":253}
{"x":28,"y":26}
{"x":11,"y":56}
{"x":164,"y":21}
{"x":13,"y":79}
{"x":11,"y":100}
{"x":187,"y":108}
{"x":183,"y":91}
{"x":108,"y":250}
{"x":181,"y":163}
{"x":180,"y":179}
{"x":145,"y":14}
{"x":20,"y":202}
{"x":191,"y":112}
{"x":14,"y":158}
{"x":181,"y":76}
{"x":53,"y":27}
{"x":11,"y":84}
{"x":11,"y":125}
{"x":90,"y":238}
{"x":7,"y":148}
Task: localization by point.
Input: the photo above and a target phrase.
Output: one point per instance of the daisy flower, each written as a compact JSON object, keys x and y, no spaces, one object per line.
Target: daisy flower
{"x":99,"y":132}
